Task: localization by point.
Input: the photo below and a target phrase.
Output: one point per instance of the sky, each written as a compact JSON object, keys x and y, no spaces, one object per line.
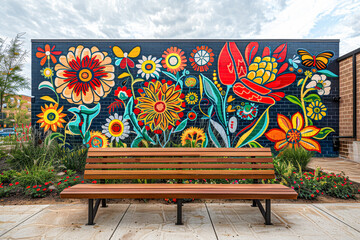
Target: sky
{"x":181,"y":19}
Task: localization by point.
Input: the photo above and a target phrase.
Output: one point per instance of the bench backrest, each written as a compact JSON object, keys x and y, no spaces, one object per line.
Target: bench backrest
{"x":179,"y":163}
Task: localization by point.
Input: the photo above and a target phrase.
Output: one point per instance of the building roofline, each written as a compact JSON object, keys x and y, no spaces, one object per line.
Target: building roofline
{"x":183,"y":40}
{"x":349,"y":54}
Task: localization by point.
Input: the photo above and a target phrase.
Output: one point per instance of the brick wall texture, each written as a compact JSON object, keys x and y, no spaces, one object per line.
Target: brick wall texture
{"x":346,"y":104}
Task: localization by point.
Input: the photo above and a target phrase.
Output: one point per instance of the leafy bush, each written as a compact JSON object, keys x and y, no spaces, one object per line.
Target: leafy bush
{"x":298,"y":157}
{"x":39,"y":191}
{"x":36,"y":175}
{"x":73,"y":159}
{"x":31,"y":153}
{"x":7,"y":176}
{"x":339,"y":186}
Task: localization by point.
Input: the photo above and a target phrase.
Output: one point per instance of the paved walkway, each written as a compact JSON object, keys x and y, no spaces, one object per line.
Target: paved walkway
{"x":336,"y":165}
{"x":202,"y":221}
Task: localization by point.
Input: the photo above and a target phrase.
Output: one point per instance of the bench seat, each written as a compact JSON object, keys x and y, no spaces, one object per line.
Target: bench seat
{"x":199,"y":191}
{"x":180,"y":164}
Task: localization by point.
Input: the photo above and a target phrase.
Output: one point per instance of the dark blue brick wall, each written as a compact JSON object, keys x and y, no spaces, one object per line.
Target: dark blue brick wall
{"x":156,"y":49}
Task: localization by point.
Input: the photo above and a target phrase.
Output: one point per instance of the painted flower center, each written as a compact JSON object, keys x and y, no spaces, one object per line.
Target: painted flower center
{"x":317,"y":110}
{"x":192,"y":116}
{"x":51,"y":116}
{"x":293,"y":136}
{"x":173,"y":60}
{"x":319,"y":85}
{"x":116,"y":128}
{"x":202,"y":57}
{"x":148,"y":67}
{"x":47,"y":53}
{"x":85,"y":75}
{"x":159,"y":107}
{"x":96,"y":142}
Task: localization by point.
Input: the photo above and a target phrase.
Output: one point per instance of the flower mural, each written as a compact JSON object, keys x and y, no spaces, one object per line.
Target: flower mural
{"x":201,"y":58}
{"x":174,"y":60}
{"x":116,"y":128}
{"x":149,"y":67}
{"x":84,"y":75}
{"x":211,"y":94}
{"x":97,"y":140}
{"x":193,"y":136}
{"x":51,"y":117}
{"x":320,"y":83}
{"x":293,"y":134}
{"x":160,"y":106}
{"x":47,"y":53}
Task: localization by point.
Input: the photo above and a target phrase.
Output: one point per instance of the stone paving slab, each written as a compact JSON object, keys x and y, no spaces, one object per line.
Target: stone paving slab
{"x":347,"y":213}
{"x":10,"y":216}
{"x":290,"y":221}
{"x":201,"y":221}
{"x":157,"y":221}
{"x":68,"y":222}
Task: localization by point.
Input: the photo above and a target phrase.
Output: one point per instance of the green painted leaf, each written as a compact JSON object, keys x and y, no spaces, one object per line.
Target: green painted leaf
{"x":312,"y":98}
{"x":324,"y":132}
{"x":213,"y":93}
{"x":136,"y":141}
{"x":293,"y":99}
{"x":327,"y":73}
{"x":170,"y":75}
{"x":181,"y":126}
{"x":46,"y":84}
{"x":310,"y":122}
{"x":206,"y":141}
{"x":256,"y":131}
{"x":129,"y":108}
{"x":213,"y":138}
{"x":255,"y":144}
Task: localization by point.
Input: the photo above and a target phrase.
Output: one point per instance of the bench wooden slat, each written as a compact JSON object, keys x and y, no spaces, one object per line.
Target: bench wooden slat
{"x":179,"y":154}
{"x":161,"y":160}
{"x":179,"y":174}
{"x":217,"y":166}
{"x":238,"y":191}
{"x":171,"y":150}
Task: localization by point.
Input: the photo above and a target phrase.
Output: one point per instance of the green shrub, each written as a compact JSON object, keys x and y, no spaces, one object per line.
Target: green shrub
{"x":36,"y":175}
{"x":339,"y":186}
{"x":39,"y":191}
{"x":31,"y":153}
{"x":7,"y":176}
{"x":73,"y":159}
{"x":298,"y":157}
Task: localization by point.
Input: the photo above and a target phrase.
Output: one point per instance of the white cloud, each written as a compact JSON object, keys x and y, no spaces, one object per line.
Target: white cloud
{"x":137,"y":19}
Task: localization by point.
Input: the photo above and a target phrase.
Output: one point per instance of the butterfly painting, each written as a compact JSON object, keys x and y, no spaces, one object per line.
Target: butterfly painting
{"x":319,"y":61}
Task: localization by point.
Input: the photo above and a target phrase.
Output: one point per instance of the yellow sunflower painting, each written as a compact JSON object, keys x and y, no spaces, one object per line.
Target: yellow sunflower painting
{"x":193,"y":135}
{"x":51,"y":117}
{"x":161,"y":105}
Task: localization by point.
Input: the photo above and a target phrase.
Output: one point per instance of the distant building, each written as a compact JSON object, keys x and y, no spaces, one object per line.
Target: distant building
{"x":14,"y":101}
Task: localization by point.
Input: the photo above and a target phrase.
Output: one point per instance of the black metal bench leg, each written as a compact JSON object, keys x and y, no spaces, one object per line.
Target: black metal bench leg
{"x":103,"y":203}
{"x":91,"y":212}
{"x":268,"y":212}
{"x":179,"y":212}
{"x":253,"y":203}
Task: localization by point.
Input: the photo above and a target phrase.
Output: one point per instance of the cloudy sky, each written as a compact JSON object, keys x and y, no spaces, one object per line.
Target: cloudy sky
{"x":135,"y":19}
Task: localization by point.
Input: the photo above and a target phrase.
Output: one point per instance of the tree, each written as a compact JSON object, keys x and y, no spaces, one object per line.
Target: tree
{"x":17,"y":110}
{"x":12,"y":58}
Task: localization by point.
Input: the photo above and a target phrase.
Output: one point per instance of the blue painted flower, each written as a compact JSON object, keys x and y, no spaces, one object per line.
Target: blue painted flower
{"x":248,"y":112}
{"x":83,"y":118}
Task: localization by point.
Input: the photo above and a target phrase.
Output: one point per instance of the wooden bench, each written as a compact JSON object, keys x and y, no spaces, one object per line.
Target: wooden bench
{"x":179,"y":163}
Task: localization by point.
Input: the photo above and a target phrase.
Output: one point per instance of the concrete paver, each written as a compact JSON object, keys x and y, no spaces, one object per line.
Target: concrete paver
{"x":68,"y":222}
{"x":157,"y":221}
{"x":10,"y":216}
{"x":201,"y":221}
